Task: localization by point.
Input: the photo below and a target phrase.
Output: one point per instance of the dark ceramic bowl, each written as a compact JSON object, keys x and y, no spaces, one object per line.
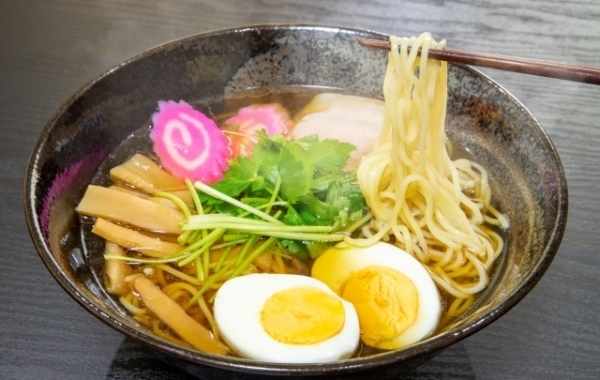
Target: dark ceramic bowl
{"x":484,"y":119}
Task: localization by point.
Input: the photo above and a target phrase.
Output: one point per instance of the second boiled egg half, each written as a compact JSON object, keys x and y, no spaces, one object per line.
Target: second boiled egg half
{"x":285,"y":318}
{"x":395,"y":298}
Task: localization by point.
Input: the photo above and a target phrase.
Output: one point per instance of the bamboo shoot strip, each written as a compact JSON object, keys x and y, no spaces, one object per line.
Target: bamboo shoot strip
{"x":142,"y":173}
{"x":130,"y":239}
{"x":128,"y":209}
{"x":176,"y":318}
{"x":115,"y":271}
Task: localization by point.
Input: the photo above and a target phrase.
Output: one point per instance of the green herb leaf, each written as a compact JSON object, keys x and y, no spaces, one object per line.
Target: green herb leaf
{"x":314,"y":191}
{"x":240,"y":175}
{"x":297,"y":248}
{"x":292,"y":218}
{"x":332,"y":155}
{"x":296,"y":171}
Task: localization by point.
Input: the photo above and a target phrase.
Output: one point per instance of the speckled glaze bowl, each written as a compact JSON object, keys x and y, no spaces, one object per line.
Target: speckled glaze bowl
{"x":525,"y":171}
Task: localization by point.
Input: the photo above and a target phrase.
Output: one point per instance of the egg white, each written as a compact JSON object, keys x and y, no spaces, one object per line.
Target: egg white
{"x":237,"y":309}
{"x":335,"y":266}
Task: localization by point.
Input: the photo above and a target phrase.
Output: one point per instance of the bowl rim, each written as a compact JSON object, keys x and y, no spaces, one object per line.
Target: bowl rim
{"x":432,"y":344}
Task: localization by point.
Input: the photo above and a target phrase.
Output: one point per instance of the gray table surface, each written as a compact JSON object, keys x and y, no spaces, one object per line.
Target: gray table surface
{"x":49,"y":48}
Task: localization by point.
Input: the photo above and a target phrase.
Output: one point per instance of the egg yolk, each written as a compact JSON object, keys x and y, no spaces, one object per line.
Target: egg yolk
{"x":385,"y":300}
{"x":302,"y":316}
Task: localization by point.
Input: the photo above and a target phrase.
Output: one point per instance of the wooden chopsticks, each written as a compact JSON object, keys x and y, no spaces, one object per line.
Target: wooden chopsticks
{"x":586,"y":74}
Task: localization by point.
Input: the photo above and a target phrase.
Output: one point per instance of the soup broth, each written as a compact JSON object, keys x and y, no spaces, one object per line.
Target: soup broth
{"x":219,"y":109}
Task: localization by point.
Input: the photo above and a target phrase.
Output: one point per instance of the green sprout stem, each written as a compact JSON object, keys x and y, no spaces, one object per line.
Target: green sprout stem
{"x":210,"y":281}
{"x":202,"y":246}
{"x":199,"y":269}
{"x":226,"y":198}
{"x":175,"y":199}
{"x":251,"y":242}
{"x":222,"y":258}
{"x":246,"y":263}
{"x":195,"y":197}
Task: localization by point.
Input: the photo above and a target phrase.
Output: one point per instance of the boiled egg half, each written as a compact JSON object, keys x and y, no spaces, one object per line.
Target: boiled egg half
{"x":395,"y":298}
{"x":285,"y":318}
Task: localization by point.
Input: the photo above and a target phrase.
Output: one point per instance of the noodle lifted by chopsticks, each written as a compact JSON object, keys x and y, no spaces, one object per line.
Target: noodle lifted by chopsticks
{"x":431,"y":206}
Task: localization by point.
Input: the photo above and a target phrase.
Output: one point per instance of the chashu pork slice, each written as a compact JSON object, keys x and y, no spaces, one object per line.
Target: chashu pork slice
{"x":352,"y":119}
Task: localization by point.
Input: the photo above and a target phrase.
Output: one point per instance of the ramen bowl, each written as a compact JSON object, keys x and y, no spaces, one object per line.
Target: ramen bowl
{"x":208,"y":70}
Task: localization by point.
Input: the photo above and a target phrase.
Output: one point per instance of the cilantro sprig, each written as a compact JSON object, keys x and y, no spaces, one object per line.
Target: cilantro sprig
{"x":312,"y":183}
